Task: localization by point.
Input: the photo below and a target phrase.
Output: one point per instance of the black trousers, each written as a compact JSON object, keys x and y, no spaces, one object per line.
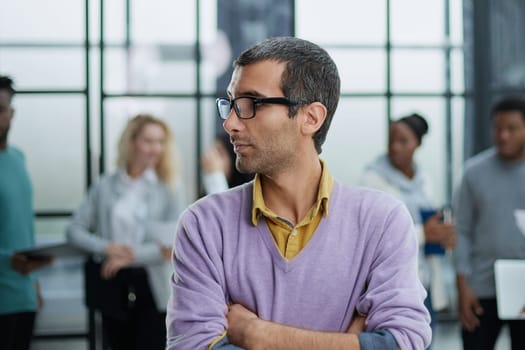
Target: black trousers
{"x":485,"y":336}
{"x":16,"y":330}
{"x":141,"y":326}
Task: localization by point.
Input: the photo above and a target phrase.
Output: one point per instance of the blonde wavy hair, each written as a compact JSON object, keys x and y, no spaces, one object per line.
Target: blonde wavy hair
{"x":165,"y":168}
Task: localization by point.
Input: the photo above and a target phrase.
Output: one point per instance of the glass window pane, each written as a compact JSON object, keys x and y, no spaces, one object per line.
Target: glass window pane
{"x":163,"y":21}
{"x":50,"y":130}
{"x":51,"y":229}
{"x":150,"y":69}
{"x":208,"y":20}
{"x":361,"y":70}
{"x":418,"y":71}
{"x":211,"y":124}
{"x":417,"y":22}
{"x":216,"y":51}
{"x":341,"y":22}
{"x":37,"y":21}
{"x":457,"y":71}
{"x":217,"y":58}
{"x":456,"y":21}
{"x":44,"y":68}
{"x":114,"y":21}
{"x":180,"y":116}
{"x":356,"y":137}
{"x":431,"y":155}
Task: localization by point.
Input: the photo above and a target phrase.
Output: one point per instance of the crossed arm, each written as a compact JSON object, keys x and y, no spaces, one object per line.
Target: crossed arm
{"x":248,"y":331}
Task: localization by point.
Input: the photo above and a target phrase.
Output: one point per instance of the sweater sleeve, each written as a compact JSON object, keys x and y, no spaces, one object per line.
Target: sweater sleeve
{"x":198,"y":304}
{"x":394,"y":298}
{"x":378,"y":340}
{"x":223,"y":344}
{"x":81,"y":230}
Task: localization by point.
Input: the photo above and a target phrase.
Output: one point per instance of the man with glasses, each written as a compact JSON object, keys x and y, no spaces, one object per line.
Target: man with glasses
{"x":294,"y":259}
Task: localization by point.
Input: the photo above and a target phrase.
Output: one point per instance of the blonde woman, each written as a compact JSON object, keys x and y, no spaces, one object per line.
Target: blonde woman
{"x":123,"y":222}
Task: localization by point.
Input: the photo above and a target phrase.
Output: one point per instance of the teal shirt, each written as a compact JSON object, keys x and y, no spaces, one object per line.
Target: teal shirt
{"x":17,"y":292}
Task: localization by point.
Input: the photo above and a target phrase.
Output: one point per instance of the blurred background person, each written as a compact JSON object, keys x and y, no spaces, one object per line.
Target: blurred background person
{"x":491,"y":194}
{"x":218,"y":167}
{"x":397,"y":173}
{"x":126,"y":219}
{"x":19,"y":291}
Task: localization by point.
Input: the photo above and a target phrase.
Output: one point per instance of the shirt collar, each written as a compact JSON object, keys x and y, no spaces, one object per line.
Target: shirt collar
{"x":326,"y":185}
{"x":149,"y":176}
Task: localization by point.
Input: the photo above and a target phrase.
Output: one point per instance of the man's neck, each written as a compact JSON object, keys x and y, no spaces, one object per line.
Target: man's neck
{"x":3,"y":145}
{"x":291,"y":193}
{"x":408,"y":171}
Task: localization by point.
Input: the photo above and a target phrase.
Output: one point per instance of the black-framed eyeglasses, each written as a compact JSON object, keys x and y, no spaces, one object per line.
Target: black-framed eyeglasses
{"x":245,"y":106}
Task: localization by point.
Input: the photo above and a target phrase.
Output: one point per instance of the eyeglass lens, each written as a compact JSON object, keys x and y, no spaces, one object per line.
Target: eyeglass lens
{"x":243,"y":107}
{"x":224,"y":107}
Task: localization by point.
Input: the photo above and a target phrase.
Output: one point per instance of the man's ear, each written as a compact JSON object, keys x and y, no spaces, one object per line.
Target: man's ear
{"x":315,"y":115}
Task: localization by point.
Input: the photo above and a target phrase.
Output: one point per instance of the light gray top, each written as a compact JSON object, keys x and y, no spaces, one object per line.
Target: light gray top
{"x":91,"y":227}
{"x":485,"y":206}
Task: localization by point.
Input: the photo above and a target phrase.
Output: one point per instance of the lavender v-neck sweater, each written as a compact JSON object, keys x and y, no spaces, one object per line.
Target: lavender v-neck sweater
{"x":362,"y":257}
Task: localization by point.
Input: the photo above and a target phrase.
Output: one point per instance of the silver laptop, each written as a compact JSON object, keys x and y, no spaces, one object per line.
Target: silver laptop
{"x":510,"y":288}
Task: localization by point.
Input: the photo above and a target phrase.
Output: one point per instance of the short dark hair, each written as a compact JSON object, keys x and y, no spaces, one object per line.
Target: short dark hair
{"x":509,"y":103}
{"x":416,"y":123}
{"x":6,"y":83}
{"x":310,"y":75}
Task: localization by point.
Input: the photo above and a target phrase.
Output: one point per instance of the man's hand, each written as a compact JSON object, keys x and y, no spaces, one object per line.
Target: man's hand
{"x":240,"y":319}
{"x":24,"y":265}
{"x":248,"y":331}
{"x":469,"y":306}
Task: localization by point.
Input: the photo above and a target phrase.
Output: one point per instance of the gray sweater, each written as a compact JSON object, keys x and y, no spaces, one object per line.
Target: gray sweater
{"x":491,"y":191}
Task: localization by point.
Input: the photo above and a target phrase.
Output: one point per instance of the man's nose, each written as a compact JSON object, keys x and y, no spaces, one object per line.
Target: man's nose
{"x":232,"y":123}
{"x":503,"y":135}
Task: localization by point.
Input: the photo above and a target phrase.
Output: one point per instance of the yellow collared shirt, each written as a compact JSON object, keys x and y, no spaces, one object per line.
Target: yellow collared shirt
{"x":292,"y":239}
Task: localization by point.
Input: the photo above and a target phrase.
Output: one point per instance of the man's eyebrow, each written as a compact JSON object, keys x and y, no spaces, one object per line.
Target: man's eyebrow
{"x":247,"y":93}
{"x":253,"y":93}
